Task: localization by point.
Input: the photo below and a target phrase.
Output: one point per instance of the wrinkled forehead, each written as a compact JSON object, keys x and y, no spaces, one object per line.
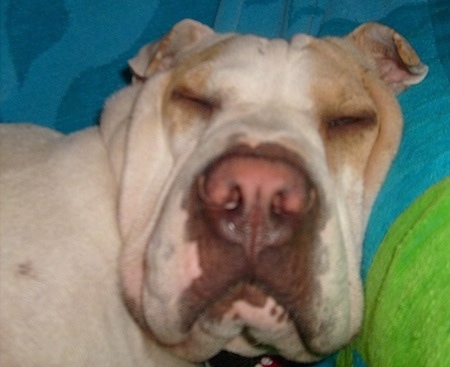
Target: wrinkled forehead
{"x":254,"y":68}
{"x":261,"y":53}
{"x":257,"y":67}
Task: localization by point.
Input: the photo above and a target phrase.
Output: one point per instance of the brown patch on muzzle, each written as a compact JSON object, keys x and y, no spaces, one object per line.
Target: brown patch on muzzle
{"x":254,"y":213}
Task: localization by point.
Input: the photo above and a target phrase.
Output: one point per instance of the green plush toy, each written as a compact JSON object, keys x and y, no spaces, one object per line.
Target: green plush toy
{"x":407,"y":315}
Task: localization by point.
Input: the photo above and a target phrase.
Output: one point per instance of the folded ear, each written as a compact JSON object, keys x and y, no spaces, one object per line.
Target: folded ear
{"x":160,"y":55}
{"x":393,"y":57}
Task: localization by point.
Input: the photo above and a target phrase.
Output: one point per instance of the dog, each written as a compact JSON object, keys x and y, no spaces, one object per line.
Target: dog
{"x":220,"y":204}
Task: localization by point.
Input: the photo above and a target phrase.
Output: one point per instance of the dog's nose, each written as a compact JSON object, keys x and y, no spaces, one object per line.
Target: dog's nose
{"x":255,"y":202}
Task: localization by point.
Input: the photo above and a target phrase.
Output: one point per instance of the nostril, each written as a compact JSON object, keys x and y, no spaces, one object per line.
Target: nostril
{"x":279,"y":203}
{"x":234,"y":199}
{"x":219,"y":194}
{"x":284,"y":202}
{"x":296,"y":200}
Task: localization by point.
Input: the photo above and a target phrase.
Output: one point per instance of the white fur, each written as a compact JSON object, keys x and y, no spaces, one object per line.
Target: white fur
{"x":95,"y":254}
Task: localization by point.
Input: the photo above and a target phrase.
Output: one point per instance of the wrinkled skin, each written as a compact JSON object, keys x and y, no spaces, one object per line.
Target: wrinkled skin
{"x":228,"y":191}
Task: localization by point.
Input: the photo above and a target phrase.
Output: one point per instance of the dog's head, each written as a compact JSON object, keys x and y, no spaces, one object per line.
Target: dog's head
{"x":247,"y":170}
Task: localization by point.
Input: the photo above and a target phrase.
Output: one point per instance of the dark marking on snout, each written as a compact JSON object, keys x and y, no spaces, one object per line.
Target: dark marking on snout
{"x":256,"y":215}
{"x":26,"y":269}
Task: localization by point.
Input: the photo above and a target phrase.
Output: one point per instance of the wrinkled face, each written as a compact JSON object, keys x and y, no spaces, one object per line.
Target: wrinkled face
{"x":254,"y":244}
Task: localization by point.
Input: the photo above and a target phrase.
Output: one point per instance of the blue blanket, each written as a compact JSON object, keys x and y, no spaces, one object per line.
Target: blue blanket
{"x":61,"y":59}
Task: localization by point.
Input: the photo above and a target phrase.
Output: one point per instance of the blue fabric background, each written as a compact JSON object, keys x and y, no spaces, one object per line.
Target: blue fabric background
{"x":60,"y":59}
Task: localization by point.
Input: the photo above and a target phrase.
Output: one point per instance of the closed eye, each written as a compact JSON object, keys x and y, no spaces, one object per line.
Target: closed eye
{"x":360,"y":120}
{"x":189,"y":99}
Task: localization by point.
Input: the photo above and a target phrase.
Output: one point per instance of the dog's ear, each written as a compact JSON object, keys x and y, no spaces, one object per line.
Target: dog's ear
{"x":393,"y":57}
{"x":160,"y":55}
